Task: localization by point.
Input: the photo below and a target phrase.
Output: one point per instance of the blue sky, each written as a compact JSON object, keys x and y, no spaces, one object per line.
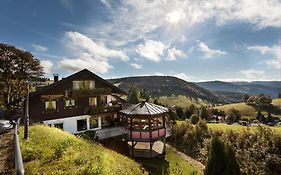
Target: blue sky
{"x":230,"y":40}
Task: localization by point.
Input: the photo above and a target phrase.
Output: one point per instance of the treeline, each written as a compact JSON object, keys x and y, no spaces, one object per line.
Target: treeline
{"x":257,"y":152}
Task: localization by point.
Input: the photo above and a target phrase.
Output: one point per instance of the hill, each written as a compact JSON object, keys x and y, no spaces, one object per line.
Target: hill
{"x":158,"y":86}
{"x":53,"y":151}
{"x":226,"y":89}
{"x":249,"y":111}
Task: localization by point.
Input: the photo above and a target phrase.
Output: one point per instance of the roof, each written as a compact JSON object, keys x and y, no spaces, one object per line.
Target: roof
{"x":144,"y":108}
{"x":77,"y":74}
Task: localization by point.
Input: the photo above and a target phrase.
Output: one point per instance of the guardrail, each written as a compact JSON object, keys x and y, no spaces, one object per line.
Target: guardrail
{"x":18,"y":158}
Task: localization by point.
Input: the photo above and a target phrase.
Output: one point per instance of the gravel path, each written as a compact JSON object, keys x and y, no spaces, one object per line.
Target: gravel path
{"x":7,"y":153}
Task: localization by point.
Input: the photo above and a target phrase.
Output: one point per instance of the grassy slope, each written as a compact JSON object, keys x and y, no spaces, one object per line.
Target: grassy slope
{"x":246,"y":110}
{"x":181,"y":101}
{"x":238,"y":128}
{"x":173,"y":164}
{"x":52,"y":151}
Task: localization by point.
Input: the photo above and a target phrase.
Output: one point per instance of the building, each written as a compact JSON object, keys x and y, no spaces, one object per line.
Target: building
{"x":80,"y":102}
{"x":146,"y":129}
{"x":85,"y":101}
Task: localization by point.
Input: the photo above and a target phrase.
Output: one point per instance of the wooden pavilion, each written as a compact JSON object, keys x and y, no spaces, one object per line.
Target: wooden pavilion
{"x":145,"y":125}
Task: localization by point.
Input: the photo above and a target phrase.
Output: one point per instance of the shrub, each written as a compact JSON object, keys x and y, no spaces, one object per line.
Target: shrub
{"x":194,"y":119}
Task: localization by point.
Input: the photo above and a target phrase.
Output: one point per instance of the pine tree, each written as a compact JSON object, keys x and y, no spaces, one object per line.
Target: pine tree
{"x":134,"y":95}
{"x":216,"y":161}
{"x":232,"y":166}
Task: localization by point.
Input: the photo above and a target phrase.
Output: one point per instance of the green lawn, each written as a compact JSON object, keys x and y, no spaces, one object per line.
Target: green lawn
{"x":172,"y":164}
{"x":53,"y":151}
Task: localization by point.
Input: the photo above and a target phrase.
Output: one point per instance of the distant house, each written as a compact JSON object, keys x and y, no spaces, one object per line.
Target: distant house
{"x":80,"y":102}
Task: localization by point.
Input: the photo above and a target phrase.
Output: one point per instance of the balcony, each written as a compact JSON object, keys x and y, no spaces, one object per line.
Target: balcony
{"x":92,"y":92}
{"x":102,"y":109}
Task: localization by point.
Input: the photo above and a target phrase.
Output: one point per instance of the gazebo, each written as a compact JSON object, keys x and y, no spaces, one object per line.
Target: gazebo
{"x":145,"y":125}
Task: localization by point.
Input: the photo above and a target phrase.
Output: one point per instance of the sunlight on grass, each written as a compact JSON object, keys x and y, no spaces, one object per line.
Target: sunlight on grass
{"x":53,"y":151}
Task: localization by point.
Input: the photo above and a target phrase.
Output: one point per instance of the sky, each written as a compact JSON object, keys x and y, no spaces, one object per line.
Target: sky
{"x":228,"y":40}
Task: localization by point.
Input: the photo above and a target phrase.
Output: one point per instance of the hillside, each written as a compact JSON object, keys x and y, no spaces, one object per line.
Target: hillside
{"x":158,"y":86}
{"x":250,"y":111}
{"x":53,"y":151}
{"x":253,"y":88}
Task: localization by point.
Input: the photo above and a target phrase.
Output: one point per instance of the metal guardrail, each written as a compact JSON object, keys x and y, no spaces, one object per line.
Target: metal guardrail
{"x":18,"y":158}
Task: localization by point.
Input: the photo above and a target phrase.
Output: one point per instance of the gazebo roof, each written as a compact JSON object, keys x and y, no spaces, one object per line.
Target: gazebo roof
{"x":144,"y":108}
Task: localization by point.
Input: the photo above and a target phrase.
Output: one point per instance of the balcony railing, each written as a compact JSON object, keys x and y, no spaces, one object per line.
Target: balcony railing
{"x":102,"y":109}
{"x":86,"y":93}
{"x":146,"y":135}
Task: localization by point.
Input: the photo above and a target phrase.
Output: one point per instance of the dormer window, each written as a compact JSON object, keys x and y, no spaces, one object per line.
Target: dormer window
{"x":69,"y":103}
{"x":84,"y":85}
{"x":51,"y":105}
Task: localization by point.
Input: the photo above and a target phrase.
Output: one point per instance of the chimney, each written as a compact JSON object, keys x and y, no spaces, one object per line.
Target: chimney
{"x":56,"y":78}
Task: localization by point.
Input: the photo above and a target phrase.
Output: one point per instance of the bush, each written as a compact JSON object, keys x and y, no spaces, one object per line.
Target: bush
{"x":194,"y":119}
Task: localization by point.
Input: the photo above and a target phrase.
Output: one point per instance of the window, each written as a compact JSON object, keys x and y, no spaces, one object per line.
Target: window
{"x":103,"y":100}
{"x":70,"y":103}
{"x":51,"y":105}
{"x":81,"y":125}
{"x":58,"y":125}
{"x":94,"y":122}
{"x":93,"y":101}
{"x":84,"y":85}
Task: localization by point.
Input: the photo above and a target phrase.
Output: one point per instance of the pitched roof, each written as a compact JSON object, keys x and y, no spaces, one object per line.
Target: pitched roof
{"x":77,"y":74}
{"x":144,"y":108}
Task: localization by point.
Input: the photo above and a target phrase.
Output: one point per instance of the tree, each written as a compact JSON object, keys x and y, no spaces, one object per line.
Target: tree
{"x":134,"y":95}
{"x":232,"y":165}
{"x":260,"y":117}
{"x":235,"y":114}
{"x":144,"y":95}
{"x":279,"y":95}
{"x":264,"y":100}
{"x":16,"y":67}
{"x":246,"y":97}
{"x":204,"y":113}
{"x":216,"y":158}
{"x":194,"y":119}
{"x":179,"y":112}
{"x":192,"y":109}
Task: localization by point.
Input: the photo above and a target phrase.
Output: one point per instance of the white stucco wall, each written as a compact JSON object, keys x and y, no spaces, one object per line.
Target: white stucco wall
{"x":70,"y":123}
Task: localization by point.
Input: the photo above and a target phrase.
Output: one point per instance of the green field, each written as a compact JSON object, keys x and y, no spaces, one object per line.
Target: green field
{"x":238,"y":128}
{"x":248,"y":111}
{"x":53,"y":151}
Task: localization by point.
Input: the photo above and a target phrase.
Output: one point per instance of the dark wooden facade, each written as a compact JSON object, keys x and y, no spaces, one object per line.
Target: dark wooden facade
{"x":62,"y":90}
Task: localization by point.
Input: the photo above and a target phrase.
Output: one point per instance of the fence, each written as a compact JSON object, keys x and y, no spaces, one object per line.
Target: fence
{"x":18,"y":158}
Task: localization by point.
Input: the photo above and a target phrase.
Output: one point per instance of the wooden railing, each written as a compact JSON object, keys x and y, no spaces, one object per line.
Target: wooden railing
{"x":146,"y":135}
{"x":102,"y":109}
{"x":95,"y":91}
{"x":18,"y":157}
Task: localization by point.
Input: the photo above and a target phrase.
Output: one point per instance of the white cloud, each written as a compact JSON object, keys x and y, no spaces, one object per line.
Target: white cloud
{"x":66,"y":4}
{"x":184,"y":77}
{"x":152,"y":50}
{"x":275,"y":51}
{"x":88,"y":54}
{"x":80,"y":42}
{"x":252,"y":74}
{"x":39,"y":48}
{"x":209,"y":53}
{"x":87,"y":61}
{"x":107,"y":3}
{"x":173,"y":53}
{"x":134,"y":20}
{"x":137,"y":66}
{"x":47,"y":66}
